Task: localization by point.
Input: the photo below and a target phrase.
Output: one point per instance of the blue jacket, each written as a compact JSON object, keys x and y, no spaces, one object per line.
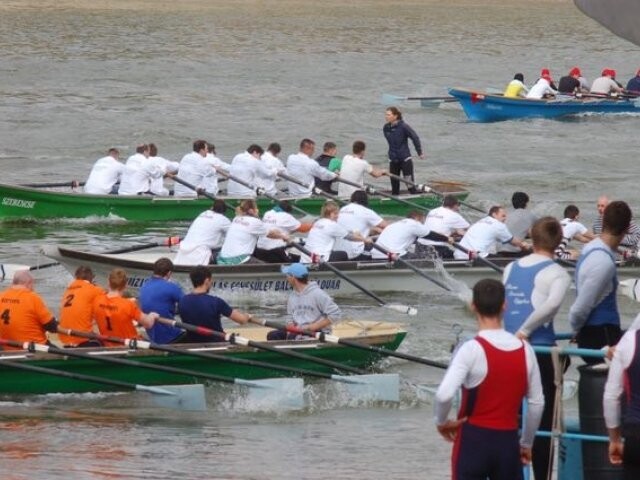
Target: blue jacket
{"x":398,"y":136}
{"x":634,"y":84}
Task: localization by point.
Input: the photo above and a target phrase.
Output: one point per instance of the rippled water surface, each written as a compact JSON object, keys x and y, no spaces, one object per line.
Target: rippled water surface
{"x":79,"y":76}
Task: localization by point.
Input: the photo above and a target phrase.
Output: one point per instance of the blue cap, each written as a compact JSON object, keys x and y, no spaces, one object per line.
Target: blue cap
{"x":297,"y":270}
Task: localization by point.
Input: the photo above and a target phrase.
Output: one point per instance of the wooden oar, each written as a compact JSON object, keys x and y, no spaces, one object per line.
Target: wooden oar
{"x":427,"y":189}
{"x":144,"y":345}
{"x":8,"y":269}
{"x":69,"y":352}
{"x":70,"y":184}
{"x":325,"y":337}
{"x":371,"y":190}
{"x":397,"y":307}
{"x":185,"y":397}
{"x":412,"y":267}
{"x":260,"y":192}
{"x":480,"y":258}
{"x":388,"y":99}
{"x":202,"y":192}
{"x":382,"y":387}
{"x":315,"y":190}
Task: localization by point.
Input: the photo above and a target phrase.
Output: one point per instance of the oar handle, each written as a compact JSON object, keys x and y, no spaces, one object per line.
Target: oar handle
{"x":315,"y":190}
{"x":480,"y":258}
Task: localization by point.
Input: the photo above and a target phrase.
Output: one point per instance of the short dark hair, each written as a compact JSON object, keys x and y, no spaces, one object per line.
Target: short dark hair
{"x":143,"y":147}
{"x":199,"y":145}
{"x":253,"y":148}
{"x":305,"y":142}
{"x":488,"y":297}
{"x":219,"y":206}
{"x":358,"y":147}
{"x":360,"y":197}
{"x":198,"y":275}
{"x":162,"y":266}
{"x":285,"y":206}
{"x":211,"y":147}
{"x":396,"y":112}
{"x":416,"y":215}
{"x":450,"y":201}
{"x":546,"y":233}
{"x":571,"y":211}
{"x":519,"y":76}
{"x":153,"y":150}
{"x":114,"y":151}
{"x":329,"y":146}
{"x":616,"y":218}
{"x":274,"y":148}
{"x":84,"y":272}
{"x":519,"y":200}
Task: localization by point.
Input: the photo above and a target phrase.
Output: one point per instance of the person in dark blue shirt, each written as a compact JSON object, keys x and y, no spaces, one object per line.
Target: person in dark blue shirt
{"x":398,"y":133}
{"x":203,"y":310}
{"x":159,"y":294}
{"x":633,"y":85}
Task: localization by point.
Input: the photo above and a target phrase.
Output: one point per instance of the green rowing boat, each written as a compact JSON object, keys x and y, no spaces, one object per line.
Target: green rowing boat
{"x":18,"y":382}
{"x":24,"y":203}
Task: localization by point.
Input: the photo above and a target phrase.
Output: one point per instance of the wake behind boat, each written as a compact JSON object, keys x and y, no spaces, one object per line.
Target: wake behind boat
{"x":17,"y":202}
{"x":480,"y":106}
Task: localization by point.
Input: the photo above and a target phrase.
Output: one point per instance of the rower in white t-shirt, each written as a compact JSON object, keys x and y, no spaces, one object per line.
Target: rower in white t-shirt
{"x":399,"y":236}
{"x":243,"y":234}
{"x":270,"y":160}
{"x":105,"y":174}
{"x":356,"y":217}
{"x":323,"y":236}
{"x":445,"y":220}
{"x":247,"y":166}
{"x":305,"y":169}
{"x":483,"y":236}
{"x":139,"y":172}
{"x":572,"y":229}
{"x":169,"y":167}
{"x":353,"y":169}
{"x":205,"y":236}
{"x":274,"y":250}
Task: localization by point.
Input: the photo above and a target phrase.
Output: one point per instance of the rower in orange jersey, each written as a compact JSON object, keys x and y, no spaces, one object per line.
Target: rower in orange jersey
{"x":76,"y":308}
{"x":115,"y":314}
{"x":24,"y":317}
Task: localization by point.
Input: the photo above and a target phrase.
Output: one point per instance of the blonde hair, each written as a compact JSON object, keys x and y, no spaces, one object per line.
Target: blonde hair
{"x":246,"y":205}
{"x":328,"y":208}
{"x":117,"y":279}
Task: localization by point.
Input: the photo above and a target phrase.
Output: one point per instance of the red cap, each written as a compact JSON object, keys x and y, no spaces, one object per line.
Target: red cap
{"x":545,"y":71}
{"x":575,"y":71}
{"x":612,"y":72}
{"x":606,"y":72}
{"x":547,"y":77}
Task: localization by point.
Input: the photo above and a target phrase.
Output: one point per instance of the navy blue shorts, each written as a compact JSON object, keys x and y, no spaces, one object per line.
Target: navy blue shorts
{"x":482,"y":453}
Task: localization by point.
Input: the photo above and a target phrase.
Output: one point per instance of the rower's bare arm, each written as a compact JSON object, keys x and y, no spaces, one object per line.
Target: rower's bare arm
{"x":148,"y":319}
{"x":240,"y":317}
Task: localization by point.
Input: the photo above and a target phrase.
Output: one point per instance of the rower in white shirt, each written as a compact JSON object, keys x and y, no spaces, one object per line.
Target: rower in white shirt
{"x":356,"y":217}
{"x":198,"y":169}
{"x":246,"y":166}
{"x":572,"y":229}
{"x":447,"y":221}
{"x":353,"y":169}
{"x":274,"y":250}
{"x":305,"y":169}
{"x":483,"y":236}
{"x":323,"y":236}
{"x":157,"y":184}
{"x":106,"y":172}
{"x":139,"y":172}
{"x":205,"y":236}
{"x":270,"y":159}
{"x":542,"y":88}
{"x":243,"y":234}
{"x":399,"y":236}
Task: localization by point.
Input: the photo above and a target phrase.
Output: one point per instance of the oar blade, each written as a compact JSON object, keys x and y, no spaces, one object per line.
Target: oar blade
{"x":388,"y":99}
{"x":379,"y":387}
{"x":185,"y":397}
{"x":8,"y":269}
{"x":398,"y":307}
{"x":275,"y":393}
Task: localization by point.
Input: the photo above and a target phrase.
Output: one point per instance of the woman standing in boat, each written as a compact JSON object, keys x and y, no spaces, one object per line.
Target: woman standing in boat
{"x":398,"y":133}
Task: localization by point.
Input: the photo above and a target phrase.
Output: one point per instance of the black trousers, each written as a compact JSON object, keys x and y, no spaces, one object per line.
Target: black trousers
{"x":406,"y":169}
{"x":596,"y":337}
{"x":275,"y":255}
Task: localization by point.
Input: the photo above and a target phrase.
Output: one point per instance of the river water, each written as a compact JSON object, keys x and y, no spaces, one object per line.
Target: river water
{"x":81,"y":76}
